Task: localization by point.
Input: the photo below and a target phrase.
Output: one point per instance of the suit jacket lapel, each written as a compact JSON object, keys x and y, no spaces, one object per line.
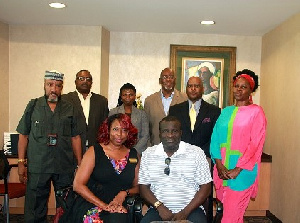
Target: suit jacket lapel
{"x":134,"y":115}
{"x":93,"y":108}
{"x":121,"y":109}
{"x":77,"y":102}
{"x":159,"y":102}
{"x":201,"y":114}
{"x":134,"y":111}
{"x":175,"y":97}
{"x":186,"y":114}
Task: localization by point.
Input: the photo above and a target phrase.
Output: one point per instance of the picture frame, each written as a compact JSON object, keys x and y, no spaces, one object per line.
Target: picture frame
{"x":216,"y":65}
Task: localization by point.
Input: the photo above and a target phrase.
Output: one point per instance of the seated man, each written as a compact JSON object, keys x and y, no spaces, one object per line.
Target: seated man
{"x":174,"y":177}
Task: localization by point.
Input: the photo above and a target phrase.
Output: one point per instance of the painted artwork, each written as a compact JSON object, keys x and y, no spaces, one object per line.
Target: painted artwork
{"x":210,"y":70}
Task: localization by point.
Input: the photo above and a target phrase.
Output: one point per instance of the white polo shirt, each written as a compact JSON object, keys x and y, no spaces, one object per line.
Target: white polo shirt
{"x":189,"y":169}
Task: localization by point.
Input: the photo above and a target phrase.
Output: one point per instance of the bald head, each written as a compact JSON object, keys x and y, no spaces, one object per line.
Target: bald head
{"x":167,"y":79}
{"x":194,"y":89}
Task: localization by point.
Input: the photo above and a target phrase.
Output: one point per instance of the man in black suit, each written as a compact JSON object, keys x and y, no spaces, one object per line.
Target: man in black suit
{"x":93,"y":108}
{"x":205,"y":113}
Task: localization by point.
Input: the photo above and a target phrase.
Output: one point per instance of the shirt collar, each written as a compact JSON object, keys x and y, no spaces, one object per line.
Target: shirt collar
{"x":160,"y":150}
{"x":162,"y":95}
{"x":81,"y":96}
{"x":197,"y":104}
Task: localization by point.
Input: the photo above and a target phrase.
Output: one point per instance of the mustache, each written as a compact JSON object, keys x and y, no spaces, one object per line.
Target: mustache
{"x":168,"y":88}
{"x":52,"y":100}
{"x":54,"y":93}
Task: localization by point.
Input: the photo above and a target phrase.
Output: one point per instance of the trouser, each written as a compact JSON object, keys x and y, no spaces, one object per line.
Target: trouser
{"x":197,"y":216}
{"x":37,"y":194}
{"x":234,"y":204}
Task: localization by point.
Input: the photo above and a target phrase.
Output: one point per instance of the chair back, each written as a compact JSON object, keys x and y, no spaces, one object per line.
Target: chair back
{"x":4,"y":166}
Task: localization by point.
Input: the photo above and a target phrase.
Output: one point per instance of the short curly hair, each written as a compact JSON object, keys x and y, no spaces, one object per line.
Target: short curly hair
{"x":251,"y":74}
{"x":125,"y":121}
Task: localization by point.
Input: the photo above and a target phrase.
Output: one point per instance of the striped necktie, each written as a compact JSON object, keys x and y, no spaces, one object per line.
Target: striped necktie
{"x":193,"y":115}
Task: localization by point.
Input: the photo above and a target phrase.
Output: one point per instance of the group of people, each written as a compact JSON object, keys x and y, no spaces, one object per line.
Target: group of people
{"x":163,"y":152}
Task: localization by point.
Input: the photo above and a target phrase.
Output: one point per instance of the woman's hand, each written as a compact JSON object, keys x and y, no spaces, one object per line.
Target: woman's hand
{"x":233,"y":173}
{"x":115,"y":206}
{"x":222,"y":170}
{"x":104,"y":206}
{"x":119,"y":198}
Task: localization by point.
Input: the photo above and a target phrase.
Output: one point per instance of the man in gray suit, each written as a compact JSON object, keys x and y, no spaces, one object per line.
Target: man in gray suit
{"x":93,"y":108}
{"x":157,"y":105}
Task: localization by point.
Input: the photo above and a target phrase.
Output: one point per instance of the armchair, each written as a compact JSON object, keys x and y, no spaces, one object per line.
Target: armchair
{"x":8,"y":190}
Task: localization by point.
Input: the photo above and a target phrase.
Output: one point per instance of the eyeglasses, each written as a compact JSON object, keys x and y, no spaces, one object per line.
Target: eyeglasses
{"x":165,"y":77}
{"x":167,"y":169}
{"x":89,"y":79}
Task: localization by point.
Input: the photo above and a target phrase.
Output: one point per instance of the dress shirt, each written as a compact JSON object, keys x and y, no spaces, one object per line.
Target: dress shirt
{"x":166,"y":101}
{"x":197,"y":106}
{"x":85,"y":103}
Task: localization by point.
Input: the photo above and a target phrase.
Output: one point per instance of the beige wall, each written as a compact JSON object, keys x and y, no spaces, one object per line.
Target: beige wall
{"x":105,"y":44}
{"x":4,"y":74}
{"x":280,"y":91}
{"x":132,"y":57}
{"x":138,"y":58}
{"x":34,"y":49}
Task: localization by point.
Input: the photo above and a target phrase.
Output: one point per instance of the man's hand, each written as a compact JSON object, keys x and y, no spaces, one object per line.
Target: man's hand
{"x":22,"y":148}
{"x":22,"y":171}
{"x":165,"y":213}
{"x":181,"y":215}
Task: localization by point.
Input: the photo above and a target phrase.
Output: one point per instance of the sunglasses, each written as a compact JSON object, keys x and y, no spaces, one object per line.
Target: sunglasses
{"x":167,"y":169}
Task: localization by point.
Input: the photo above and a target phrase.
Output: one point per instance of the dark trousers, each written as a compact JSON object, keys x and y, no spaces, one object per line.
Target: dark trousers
{"x":37,"y":194}
{"x":197,"y":216}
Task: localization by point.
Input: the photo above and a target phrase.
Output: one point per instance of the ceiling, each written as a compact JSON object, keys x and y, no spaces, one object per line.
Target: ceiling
{"x":232,"y":17}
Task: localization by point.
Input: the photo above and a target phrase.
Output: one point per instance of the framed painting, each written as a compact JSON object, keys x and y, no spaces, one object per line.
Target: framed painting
{"x":214,"y":65}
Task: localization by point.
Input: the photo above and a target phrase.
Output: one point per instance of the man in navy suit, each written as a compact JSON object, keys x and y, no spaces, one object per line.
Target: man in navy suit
{"x":93,"y":108}
{"x":206,"y":116}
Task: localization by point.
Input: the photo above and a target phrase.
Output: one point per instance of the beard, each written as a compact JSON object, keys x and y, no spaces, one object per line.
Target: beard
{"x":52,"y":100}
{"x":168,"y":88}
{"x":84,"y":91}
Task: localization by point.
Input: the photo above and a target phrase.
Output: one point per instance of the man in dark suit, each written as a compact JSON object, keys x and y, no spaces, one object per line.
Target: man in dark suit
{"x":206,"y":116}
{"x":93,"y":108}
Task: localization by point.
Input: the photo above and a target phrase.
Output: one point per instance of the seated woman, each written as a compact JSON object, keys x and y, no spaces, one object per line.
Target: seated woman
{"x":108,"y":173}
{"x":127,"y":105}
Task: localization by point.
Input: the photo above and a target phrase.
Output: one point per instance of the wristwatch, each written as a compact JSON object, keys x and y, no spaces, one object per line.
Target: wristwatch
{"x":127,"y":192}
{"x":157,"y":204}
{"x":22,"y":161}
